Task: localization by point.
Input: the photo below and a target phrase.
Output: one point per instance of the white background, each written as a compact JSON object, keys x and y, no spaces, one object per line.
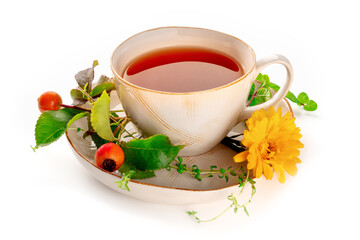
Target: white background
{"x":49,"y":195}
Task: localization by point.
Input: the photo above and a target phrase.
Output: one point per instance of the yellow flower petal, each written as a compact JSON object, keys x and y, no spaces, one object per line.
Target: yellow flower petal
{"x":268,"y":171}
{"x":259,"y":169}
{"x":273,"y":141}
{"x":256,"y":116}
{"x":280,"y":174}
{"x":259,"y":132}
{"x":252,"y":158}
{"x":290,"y":167}
{"x":271,"y":111}
{"x":241,"y":157}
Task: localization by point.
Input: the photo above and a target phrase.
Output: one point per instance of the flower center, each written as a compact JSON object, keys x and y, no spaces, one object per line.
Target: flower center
{"x":267,"y":149}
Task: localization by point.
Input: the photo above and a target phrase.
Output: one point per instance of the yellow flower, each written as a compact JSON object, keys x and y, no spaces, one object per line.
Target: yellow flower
{"x":272,"y":143}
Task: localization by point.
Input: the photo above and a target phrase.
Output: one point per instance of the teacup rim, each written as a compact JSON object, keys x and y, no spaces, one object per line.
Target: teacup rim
{"x":121,"y":79}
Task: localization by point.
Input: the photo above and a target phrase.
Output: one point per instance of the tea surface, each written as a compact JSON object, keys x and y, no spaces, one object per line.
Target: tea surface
{"x":182,"y":69}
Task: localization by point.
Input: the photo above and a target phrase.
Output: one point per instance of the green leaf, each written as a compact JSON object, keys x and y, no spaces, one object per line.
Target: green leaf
{"x":102,"y":79}
{"x":152,"y":153}
{"x":191,"y":213}
{"x":289,"y":95}
{"x":292,"y":97}
{"x":98,"y":141}
{"x":257,"y":100}
{"x":274,"y":86}
{"x":264,"y":79}
{"x":303,"y":98}
{"x":76,"y":117}
{"x":114,"y":114}
{"x":126,"y":167}
{"x":78,"y":97}
{"x":310,"y":105}
{"x":51,"y":125}
{"x":252,"y":91}
{"x":100,"y":117}
{"x":260,"y":77}
{"x":76,"y":93}
{"x":235,"y":210}
{"x":245,"y":210}
{"x":265,"y":93}
{"x":107,"y":86}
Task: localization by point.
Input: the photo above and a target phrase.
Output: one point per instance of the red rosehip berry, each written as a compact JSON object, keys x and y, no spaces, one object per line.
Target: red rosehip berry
{"x":109,"y":157}
{"x":49,"y":101}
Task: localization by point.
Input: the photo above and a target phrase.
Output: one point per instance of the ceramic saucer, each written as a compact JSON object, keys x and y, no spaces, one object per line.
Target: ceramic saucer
{"x":168,"y":187}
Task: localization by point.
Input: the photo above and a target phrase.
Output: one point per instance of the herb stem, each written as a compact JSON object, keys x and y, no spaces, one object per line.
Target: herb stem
{"x":90,"y":98}
{"x":217,"y":216}
{"x":129,"y":134}
{"x":75,"y":107}
{"x":77,"y":129}
{"x":117,"y":129}
{"x":234,"y":201}
{"x":203,"y":171}
{"x":253,"y":96}
{"x":114,"y":111}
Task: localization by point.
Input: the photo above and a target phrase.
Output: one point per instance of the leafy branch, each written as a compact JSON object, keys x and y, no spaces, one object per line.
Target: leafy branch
{"x":143,"y":156}
{"x":263,"y":94}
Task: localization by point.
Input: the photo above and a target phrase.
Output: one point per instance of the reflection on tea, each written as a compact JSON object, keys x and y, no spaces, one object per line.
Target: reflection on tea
{"x":182,"y":69}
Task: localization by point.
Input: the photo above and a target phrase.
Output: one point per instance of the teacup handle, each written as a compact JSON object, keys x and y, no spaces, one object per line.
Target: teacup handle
{"x":260,"y":65}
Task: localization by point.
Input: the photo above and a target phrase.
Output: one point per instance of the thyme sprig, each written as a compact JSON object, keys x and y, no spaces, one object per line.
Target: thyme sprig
{"x":126,"y":177}
{"x":234,"y":201}
{"x":238,"y":173}
{"x":243,"y":177}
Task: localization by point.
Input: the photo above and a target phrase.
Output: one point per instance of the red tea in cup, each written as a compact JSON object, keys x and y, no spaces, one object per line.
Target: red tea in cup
{"x":182,"y":69}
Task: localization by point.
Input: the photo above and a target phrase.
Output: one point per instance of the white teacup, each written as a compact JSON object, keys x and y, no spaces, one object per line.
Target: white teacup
{"x":197,"y":120}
